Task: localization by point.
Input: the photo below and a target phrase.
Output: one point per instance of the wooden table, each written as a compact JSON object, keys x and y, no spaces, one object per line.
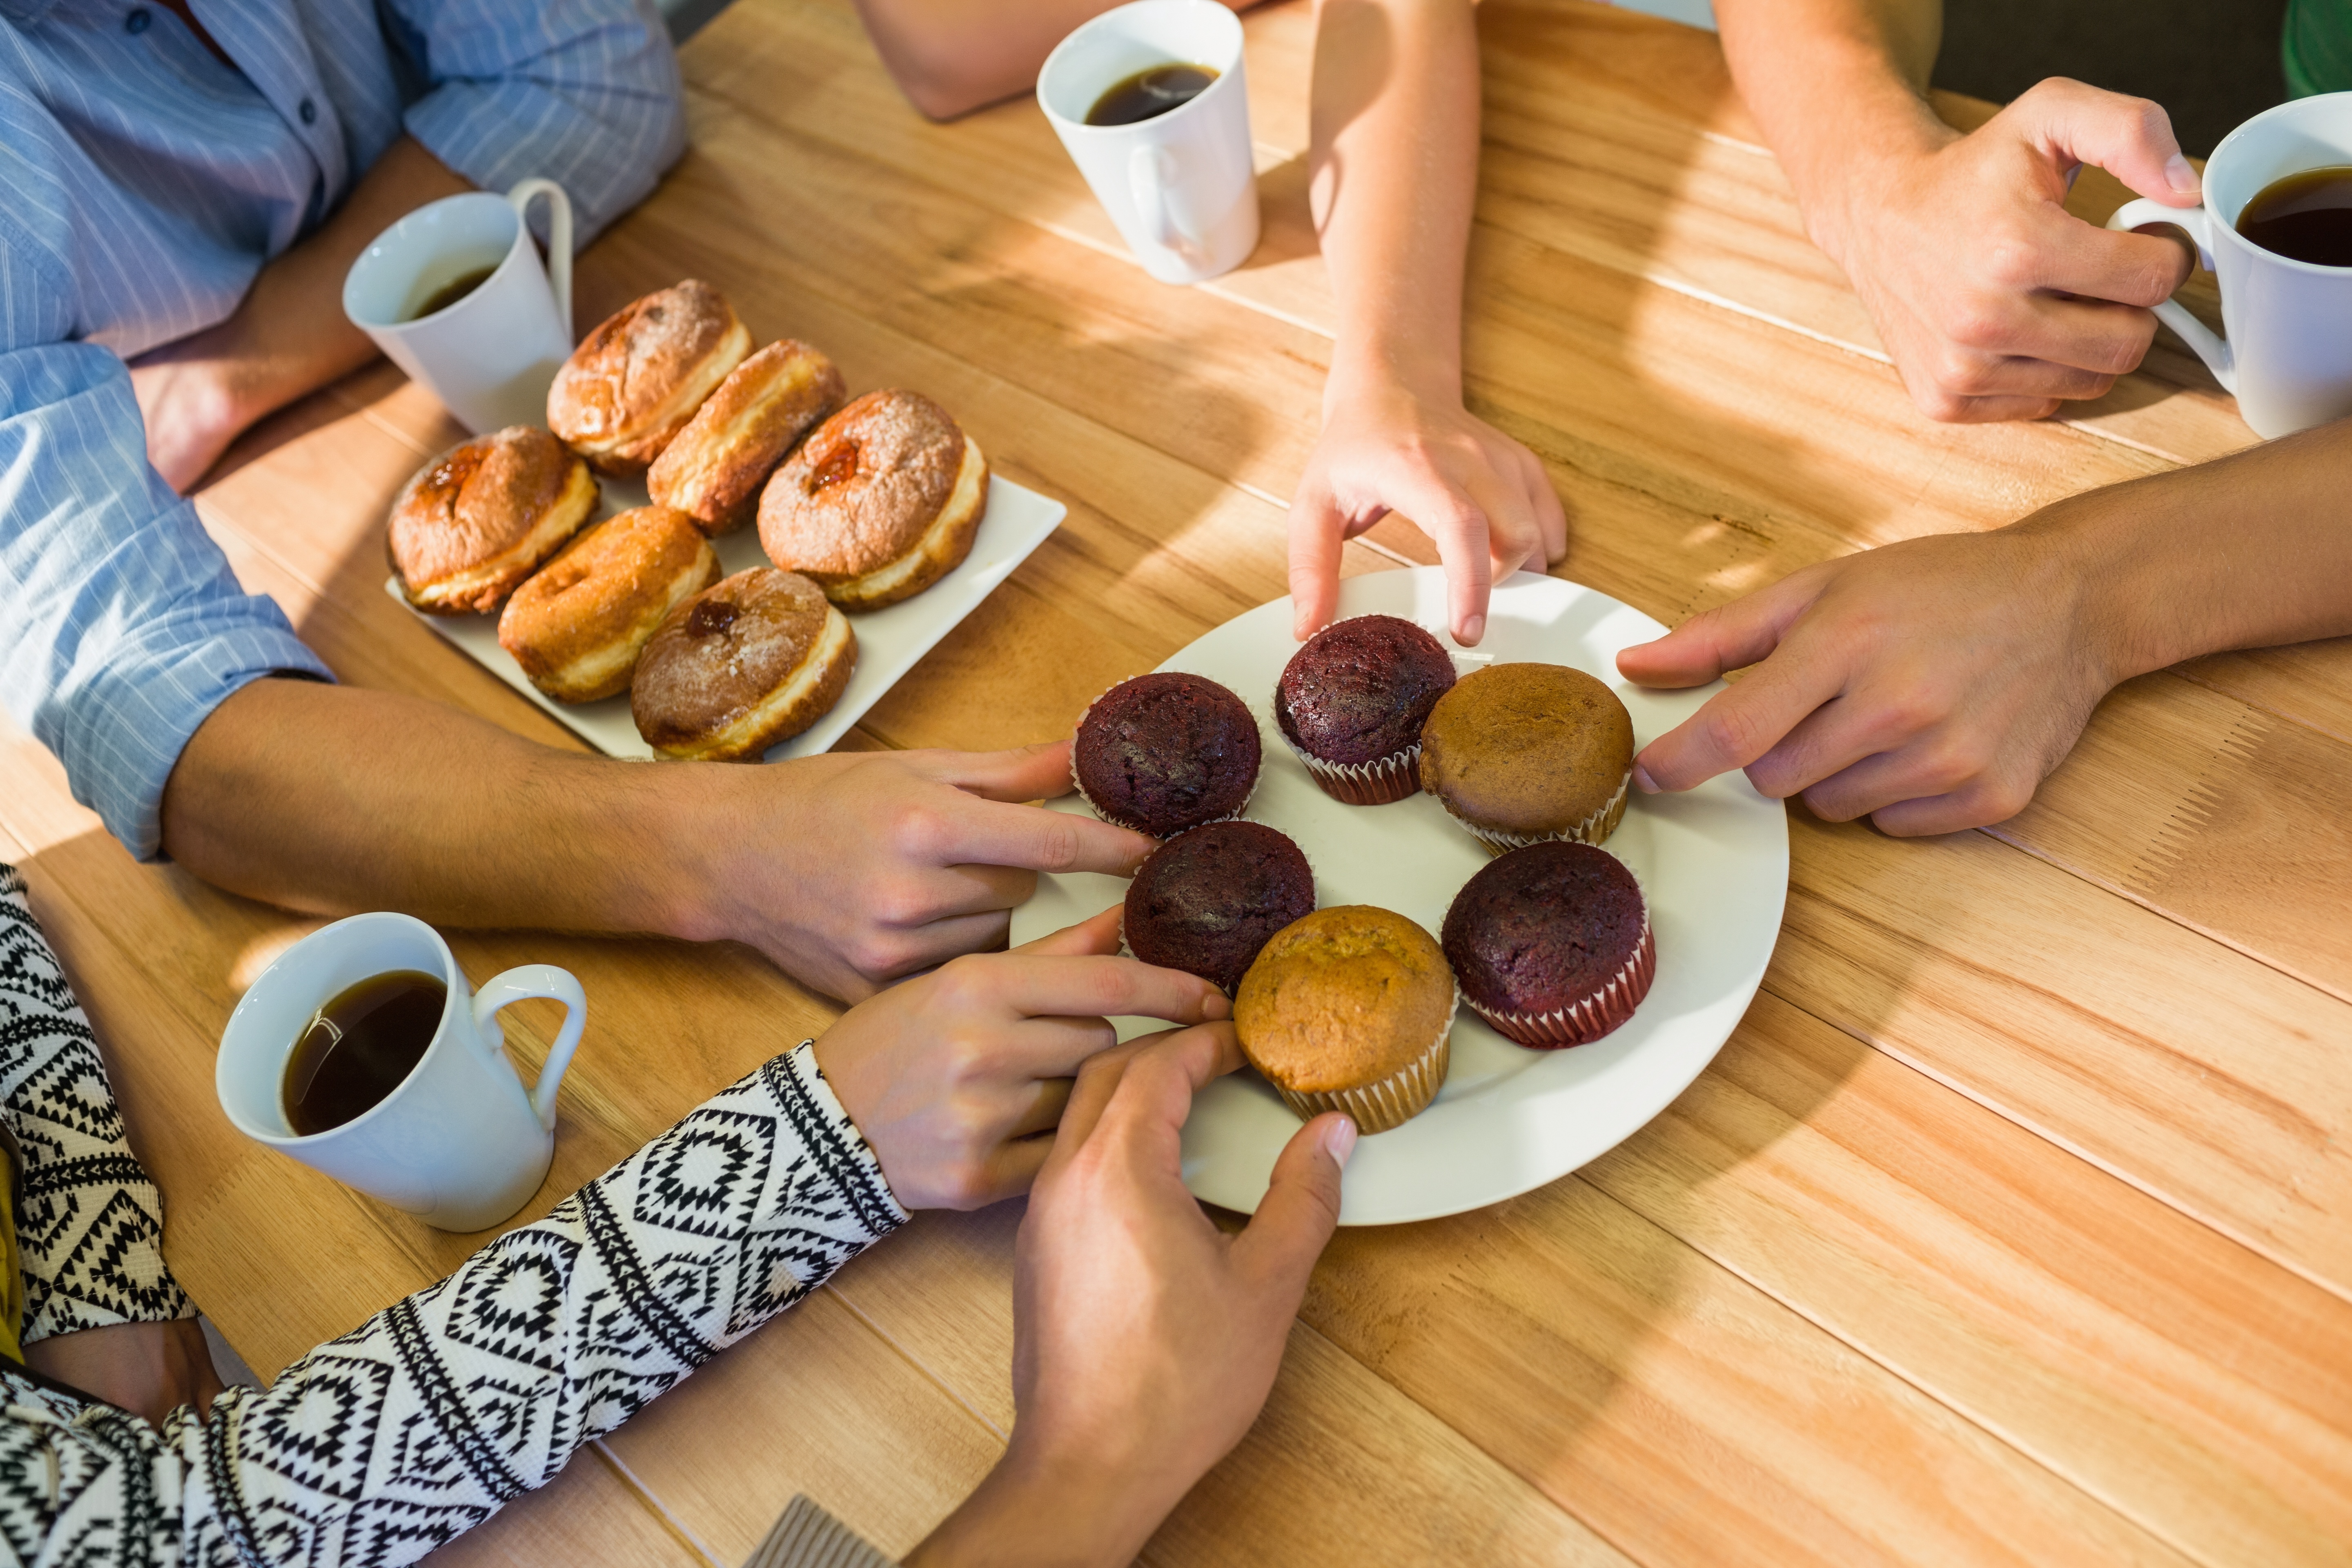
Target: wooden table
{"x":2014,"y":1224}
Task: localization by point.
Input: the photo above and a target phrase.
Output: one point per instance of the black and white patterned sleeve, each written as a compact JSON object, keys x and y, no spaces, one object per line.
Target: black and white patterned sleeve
{"x":380,"y":1445}
{"x":89,"y":1225}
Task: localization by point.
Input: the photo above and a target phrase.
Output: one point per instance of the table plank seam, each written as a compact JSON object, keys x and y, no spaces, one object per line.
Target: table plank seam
{"x":2061,"y":1140}
{"x":913,"y":1359}
{"x":654,"y":1504}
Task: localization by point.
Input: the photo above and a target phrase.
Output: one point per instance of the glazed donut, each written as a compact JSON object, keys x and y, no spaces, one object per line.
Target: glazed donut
{"x":880,"y":502}
{"x":634,"y":383}
{"x":471,"y":525}
{"x":742,"y":665}
{"x":579,"y":625}
{"x":713,"y":469}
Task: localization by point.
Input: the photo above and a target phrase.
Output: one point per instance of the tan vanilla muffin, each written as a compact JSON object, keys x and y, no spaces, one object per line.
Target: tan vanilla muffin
{"x":1521,"y":753}
{"x":635,"y":380}
{"x":471,"y":525}
{"x":579,"y":625}
{"x":1350,"y":1008}
{"x":713,"y":469}
{"x":882,"y":501}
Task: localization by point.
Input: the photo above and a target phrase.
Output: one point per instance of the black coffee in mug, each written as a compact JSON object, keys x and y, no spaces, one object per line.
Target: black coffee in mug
{"x":452,"y":292}
{"x":2306,"y":217}
{"x":358,"y":1049}
{"x":1149,"y":93}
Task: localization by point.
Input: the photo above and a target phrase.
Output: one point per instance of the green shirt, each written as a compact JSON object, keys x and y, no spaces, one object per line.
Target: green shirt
{"x":2317,"y":47}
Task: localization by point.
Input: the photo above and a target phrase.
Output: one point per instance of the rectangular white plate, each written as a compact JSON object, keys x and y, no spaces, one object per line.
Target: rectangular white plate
{"x":888,"y":641}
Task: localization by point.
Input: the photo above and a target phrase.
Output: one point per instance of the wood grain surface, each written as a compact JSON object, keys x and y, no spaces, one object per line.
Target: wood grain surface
{"x":2011,"y":1225}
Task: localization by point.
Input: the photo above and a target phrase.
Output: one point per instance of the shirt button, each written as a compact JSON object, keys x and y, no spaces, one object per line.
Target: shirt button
{"x":309,"y":111}
{"x":137,"y":21}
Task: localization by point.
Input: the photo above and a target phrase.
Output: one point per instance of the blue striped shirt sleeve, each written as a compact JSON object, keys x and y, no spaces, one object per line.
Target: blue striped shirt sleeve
{"x":584,"y":92}
{"x":122,"y":626}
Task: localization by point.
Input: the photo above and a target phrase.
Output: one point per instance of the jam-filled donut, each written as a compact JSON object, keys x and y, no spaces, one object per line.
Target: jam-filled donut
{"x":479,"y":518}
{"x":579,"y":625}
{"x":634,"y":383}
{"x":742,"y":665}
{"x":713,"y":469}
{"x":881,"y":501}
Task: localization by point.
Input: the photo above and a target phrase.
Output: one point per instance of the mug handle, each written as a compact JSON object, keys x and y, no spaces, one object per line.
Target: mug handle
{"x":559,"y":239}
{"x":1152,"y":184}
{"x":520,"y":984}
{"x":2209,"y":345}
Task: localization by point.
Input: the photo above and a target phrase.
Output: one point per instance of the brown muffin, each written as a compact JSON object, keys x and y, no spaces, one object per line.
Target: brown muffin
{"x":579,"y":625}
{"x":479,"y":518}
{"x":713,"y":469}
{"x":634,"y":383}
{"x":1520,"y":752}
{"x":738,"y":668}
{"x":882,"y":501}
{"x":1351,"y":1009}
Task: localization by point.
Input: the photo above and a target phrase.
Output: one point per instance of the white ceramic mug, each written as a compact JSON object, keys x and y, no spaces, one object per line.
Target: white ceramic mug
{"x":490,"y":355}
{"x":1181,"y":186}
{"x":460,"y":1143}
{"x":2287,"y":354}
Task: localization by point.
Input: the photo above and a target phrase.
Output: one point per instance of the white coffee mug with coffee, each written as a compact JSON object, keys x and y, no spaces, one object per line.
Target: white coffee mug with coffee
{"x":460,"y":1143}
{"x":490,"y":355}
{"x":1181,"y":186}
{"x":2287,"y":348}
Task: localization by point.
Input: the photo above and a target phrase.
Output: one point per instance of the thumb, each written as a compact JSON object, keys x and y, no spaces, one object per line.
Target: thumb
{"x":1301,"y":1206}
{"x":2130,"y":138}
{"x":1729,"y":637}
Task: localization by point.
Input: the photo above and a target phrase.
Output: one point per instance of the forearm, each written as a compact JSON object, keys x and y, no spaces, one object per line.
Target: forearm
{"x":1838,"y":87}
{"x":1394,"y":173}
{"x":288,"y":336}
{"x":335,"y":799}
{"x":2250,"y":551}
{"x":950,"y":57}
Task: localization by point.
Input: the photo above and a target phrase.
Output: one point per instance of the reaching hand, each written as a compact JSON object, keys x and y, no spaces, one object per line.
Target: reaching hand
{"x":853,"y":868}
{"x":1931,"y":684}
{"x":1145,"y":1339}
{"x":1481,"y":496}
{"x":1994,"y":301}
{"x":958,"y":1078}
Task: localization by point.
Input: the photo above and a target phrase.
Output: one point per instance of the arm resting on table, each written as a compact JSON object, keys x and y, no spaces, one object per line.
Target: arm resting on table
{"x":952,"y":56}
{"x":424,"y":1421}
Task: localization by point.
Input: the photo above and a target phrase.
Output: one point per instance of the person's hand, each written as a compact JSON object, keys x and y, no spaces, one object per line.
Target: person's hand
{"x":1994,"y":301}
{"x":192,"y":410}
{"x":148,"y":1369}
{"x":1145,"y":1339}
{"x":853,"y":868}
{"x":1931,"y":684}
{"x":1483,"y":499}
{"x":957,"y":1078}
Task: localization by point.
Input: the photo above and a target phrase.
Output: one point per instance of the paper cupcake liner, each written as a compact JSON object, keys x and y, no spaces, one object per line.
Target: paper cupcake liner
{"x":1394,"y":1100}
{"x":1096,"y":807}
{"x":1593,"y":830}
{"x":1591,"y":1018}
{"x":1392,"y":778}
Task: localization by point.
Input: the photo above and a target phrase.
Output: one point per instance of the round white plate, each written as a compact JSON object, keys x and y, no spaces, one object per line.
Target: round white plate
{"x":1713,"y":862}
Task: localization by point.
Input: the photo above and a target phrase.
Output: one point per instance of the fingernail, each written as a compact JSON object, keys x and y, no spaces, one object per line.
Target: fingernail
{"x":1642,"y":781}
{"x":1472,"y":630}
{"x":1217,"y":1007}
{"x":1340,"y":1140}
{"x":2181,"y":174}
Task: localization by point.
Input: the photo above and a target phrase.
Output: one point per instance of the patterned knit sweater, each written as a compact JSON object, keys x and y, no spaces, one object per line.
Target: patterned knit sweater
{"x":419,"y":1424}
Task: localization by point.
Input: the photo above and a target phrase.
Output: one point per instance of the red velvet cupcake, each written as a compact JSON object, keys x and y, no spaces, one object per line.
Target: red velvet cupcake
{"x":1163,"y":753}
{"x":1207,"y":899}
{"x":1551,"y":944}
{"x":1351,"y":703}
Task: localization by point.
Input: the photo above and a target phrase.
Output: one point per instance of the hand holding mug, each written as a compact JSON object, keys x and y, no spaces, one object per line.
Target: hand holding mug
{"x":1993,"y":299}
